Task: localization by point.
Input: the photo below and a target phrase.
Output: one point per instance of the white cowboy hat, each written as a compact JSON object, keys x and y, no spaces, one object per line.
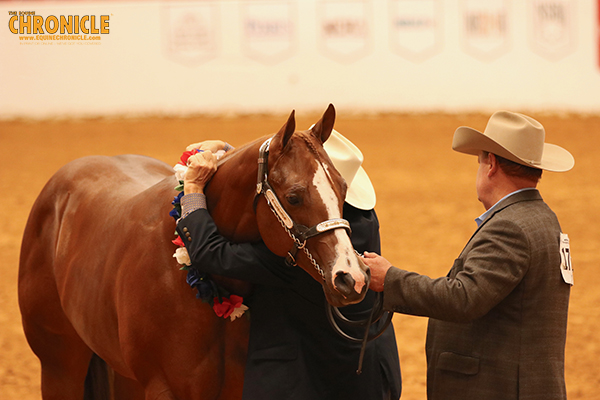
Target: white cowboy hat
{"x":516,"y":137}
{"x":347,"y":159}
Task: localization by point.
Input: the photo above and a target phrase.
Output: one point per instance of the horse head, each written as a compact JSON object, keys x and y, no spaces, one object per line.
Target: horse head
{"x":302,"y":215}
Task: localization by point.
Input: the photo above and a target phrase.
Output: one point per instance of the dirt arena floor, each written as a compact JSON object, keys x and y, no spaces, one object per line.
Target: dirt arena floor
{"x":426,"y":205}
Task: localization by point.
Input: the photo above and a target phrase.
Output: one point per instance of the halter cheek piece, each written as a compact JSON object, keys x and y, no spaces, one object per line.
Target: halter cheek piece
{"x":297,"y":232}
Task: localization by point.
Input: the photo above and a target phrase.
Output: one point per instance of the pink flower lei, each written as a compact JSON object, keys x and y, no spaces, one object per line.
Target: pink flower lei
{"x":223,"y":303}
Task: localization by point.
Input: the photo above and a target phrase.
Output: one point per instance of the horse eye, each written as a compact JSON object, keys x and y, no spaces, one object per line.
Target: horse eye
{"x":293,"y":199}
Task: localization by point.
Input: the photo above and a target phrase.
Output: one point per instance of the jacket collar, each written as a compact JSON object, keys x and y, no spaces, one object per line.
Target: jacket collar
{"x":526,"y":195}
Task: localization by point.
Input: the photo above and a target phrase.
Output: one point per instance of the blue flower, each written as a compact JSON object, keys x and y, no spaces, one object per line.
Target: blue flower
{"x":177,"y":198}
{"x":174,"y":213}
{"x":202,"y":283}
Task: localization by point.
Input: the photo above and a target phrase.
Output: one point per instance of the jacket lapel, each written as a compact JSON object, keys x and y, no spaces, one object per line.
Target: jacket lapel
{"x":527,"y":195}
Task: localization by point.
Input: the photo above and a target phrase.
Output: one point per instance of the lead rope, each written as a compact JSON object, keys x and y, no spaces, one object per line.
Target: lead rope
{"x":363,"y":346}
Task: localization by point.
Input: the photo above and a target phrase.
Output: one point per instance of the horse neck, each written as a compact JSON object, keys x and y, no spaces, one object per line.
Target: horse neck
{"x":230,"y":194}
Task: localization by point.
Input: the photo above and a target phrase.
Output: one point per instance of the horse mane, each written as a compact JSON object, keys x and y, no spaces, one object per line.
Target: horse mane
{"x":238,"y":150}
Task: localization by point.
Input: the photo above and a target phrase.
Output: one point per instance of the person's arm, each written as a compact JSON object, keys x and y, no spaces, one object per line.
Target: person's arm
{"x":212,"y":145}
{"x":211,"y":252}
{"x":495,"y":265}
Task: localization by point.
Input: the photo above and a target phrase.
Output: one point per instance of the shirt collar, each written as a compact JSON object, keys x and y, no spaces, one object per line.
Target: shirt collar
{"x":479,"y":220}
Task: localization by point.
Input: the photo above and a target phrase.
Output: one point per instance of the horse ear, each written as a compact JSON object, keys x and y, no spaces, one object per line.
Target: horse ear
{"x":322,"y":129}
{"x":287,"y":130}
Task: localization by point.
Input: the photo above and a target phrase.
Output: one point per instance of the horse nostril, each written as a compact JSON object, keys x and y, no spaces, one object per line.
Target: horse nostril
{"x":344,"y":283}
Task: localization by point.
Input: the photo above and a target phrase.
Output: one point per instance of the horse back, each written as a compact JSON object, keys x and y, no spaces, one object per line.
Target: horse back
{"x":97,"y":270}
{"x":78,"y":239}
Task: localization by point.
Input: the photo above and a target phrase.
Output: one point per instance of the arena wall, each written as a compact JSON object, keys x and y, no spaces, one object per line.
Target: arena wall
{"x":270,"y":56}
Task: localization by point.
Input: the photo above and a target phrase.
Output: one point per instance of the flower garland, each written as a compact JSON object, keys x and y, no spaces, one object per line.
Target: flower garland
{"x":223,"y":303}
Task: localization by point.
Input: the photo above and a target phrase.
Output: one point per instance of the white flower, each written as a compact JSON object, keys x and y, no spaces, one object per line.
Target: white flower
{"x":238,"y":312}
{"x":219,"y":154}
{"x":182,"y":256}
{"x":180,"y":171}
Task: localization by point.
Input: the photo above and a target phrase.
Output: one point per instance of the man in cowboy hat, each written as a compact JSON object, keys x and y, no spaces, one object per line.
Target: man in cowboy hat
{"x":498,"y":320}
{"x":293,"y":352}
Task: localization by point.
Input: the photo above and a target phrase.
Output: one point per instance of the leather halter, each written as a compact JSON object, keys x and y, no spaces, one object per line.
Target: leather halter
{"x":297,"y":232}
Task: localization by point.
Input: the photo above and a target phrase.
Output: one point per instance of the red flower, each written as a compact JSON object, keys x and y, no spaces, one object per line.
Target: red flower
{"x":228,"y":306}
{"x":178,"y":241}
{"x":186,"y":154}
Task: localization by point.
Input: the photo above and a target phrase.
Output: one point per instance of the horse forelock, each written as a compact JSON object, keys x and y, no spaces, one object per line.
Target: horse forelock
{"x":310,"y":141}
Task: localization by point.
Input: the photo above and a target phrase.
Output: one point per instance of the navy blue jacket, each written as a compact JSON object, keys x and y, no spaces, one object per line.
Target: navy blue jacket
{"x":293,"y":351}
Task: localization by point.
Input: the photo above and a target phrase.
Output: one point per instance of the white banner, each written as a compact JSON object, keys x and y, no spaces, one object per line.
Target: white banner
{"x":268,"y":30}
{"x":189,"y":32}
{"x":416,"y":28}
{"x":486,"y":28}
{"x":552,"y":28}
{"x":344,"y":29}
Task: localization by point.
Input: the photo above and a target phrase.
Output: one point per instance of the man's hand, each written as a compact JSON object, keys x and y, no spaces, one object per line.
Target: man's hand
{"x":201,"y":167}
{"x":212,"y":145}
{"x":379,"y":267}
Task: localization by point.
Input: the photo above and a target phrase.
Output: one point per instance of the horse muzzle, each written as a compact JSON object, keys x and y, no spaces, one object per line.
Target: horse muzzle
{"x":348,"y":281}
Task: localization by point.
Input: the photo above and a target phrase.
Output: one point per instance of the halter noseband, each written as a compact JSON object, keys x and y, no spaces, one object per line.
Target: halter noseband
{"x":297,"y":232}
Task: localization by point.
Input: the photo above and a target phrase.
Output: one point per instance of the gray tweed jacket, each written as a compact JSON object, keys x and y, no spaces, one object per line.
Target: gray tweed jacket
{"x":498,"y":320}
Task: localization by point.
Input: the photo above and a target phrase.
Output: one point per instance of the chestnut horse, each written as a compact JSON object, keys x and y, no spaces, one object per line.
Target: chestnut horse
{"x":98,"y":280}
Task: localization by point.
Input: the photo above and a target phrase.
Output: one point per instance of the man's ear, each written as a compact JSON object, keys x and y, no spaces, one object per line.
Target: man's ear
{"x":493,"y":163}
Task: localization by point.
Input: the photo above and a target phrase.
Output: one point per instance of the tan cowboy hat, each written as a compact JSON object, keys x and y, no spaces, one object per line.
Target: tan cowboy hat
{"x":347,"y":159}
{"x":517,"y":138}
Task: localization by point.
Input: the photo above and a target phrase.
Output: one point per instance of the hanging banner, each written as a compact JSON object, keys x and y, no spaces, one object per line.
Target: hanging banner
{"x":189,"y":32}
{"x":485,"y":28}
{"x":268,"y":33}
{"x":344,"y":31}
{"x":416,"y":28}
{"x":552,"y":28}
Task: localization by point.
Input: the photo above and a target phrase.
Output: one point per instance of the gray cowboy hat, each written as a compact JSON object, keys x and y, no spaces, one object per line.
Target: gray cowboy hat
{"x":516,"y":137}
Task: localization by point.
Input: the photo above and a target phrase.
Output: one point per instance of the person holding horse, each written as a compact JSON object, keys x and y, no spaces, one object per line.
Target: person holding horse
{"x":498,"y":320}
{"x":293,"y":351}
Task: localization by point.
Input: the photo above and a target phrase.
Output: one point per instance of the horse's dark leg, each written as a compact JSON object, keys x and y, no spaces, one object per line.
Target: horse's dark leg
{"x":98,"y":382}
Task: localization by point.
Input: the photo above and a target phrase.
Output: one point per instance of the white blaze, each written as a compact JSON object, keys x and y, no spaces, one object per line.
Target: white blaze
{"x":346,"y":260}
